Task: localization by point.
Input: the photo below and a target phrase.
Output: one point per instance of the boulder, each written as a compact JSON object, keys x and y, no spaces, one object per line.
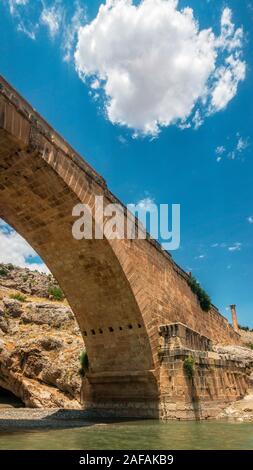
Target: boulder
{"x":47,"y":313}
{"x":13,"y":307}
{"x":4,"y":325}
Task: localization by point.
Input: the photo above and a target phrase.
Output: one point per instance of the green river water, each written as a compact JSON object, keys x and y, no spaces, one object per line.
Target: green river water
{"x":136,"y":435}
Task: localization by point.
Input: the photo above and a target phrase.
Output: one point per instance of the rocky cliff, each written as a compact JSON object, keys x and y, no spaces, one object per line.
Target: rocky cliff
{"x":40,"y":341}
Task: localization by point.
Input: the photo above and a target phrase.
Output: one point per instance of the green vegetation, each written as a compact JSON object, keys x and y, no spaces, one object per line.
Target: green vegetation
{"x":251,"y":346}
{"x":18,"y":296}
{"x":84,"y":362}
{"x":56,"y":293}
{"x":3,"y":271}
{"x":245,"y":328}
{"x":10,"y":267}
{"x":203,"y":297}
{"x":189,"y":367}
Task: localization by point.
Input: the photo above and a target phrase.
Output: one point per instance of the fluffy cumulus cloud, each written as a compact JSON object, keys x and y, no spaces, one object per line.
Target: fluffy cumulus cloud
{"x":156,"y":66}
{"x":14,"y":249}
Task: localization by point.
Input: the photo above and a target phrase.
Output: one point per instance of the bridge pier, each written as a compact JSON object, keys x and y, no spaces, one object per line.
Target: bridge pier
{"x":129,"y":395}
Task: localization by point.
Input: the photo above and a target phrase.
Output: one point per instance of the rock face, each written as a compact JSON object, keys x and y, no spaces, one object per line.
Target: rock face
{"x":40,"y":344}
{"x":239,"y":353}
{"x":241,"y":410}
{"x":26,"y":281}
{"x":247,"y":337}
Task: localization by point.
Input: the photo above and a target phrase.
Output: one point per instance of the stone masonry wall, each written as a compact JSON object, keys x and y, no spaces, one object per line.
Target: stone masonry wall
{"x":216,"y":383}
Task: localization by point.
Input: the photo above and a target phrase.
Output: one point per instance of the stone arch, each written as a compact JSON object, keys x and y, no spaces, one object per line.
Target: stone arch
{"x":40,"y":183}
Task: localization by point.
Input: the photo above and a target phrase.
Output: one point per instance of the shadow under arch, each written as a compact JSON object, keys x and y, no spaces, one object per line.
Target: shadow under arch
{"x":39,"y":186}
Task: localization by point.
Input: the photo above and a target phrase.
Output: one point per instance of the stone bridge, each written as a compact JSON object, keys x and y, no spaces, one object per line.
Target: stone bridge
{"x":121,"y":291}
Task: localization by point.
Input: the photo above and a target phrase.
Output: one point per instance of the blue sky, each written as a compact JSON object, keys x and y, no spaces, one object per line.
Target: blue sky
{"x":148,"y":150}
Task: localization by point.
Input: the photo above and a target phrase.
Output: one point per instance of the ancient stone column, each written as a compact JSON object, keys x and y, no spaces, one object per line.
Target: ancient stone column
{"x":234,"y":317}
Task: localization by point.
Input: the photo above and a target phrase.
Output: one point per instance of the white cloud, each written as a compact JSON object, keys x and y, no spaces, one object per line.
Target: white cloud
{"x":14,"y":249}
{"x":28,"y":32}
{"x":235,"y":247}
{"x":242,"y":144}
{"x":13,"y":4}
{"x":197,"y":119}
{"x":70,"y":30}
{"x":220,"y":150}
{"x":235,"y":150}
{"x":122,"y":139}
{"x":51,"y":17}
{"x":250,"y":219}
{"x":200,"y":257}
{"x":233,"y":70}
{"x":19,"y":13}
{"x":156,"y":67}
{"x":60,"y":20}
{"x":146,"y":204}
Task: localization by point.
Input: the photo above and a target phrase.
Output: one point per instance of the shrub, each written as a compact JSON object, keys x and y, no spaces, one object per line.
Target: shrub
{"x":5,"y":268}
{"x":56,"y":293}
{"x":18,"y":296}
{"x":84,"y":362}
{"x":245,"y":328}
{"x":3,"y":271}
{"x":251,"y":346}
{"x":203,"y":297}
{"x":10,"y":266}
{"x":189,"y":367}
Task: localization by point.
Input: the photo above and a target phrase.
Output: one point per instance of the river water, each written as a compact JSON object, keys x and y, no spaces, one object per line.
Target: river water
{"x":136,"y":435}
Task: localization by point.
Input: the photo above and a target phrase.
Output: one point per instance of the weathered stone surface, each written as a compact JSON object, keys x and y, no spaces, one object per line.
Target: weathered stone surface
{"x":46,"y":313}
{"x":239,"y":353}
{"x":27,"y":281}
{"x":39,"y":351}
{"x":4,"y":324}
{"x":246,"y":337}
{"x":12,"y":307}
{"x":241,"y":410}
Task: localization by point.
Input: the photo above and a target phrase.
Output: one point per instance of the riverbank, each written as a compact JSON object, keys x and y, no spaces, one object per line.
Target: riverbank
{"x":30,"y":418}
{"x":17,"y":419}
